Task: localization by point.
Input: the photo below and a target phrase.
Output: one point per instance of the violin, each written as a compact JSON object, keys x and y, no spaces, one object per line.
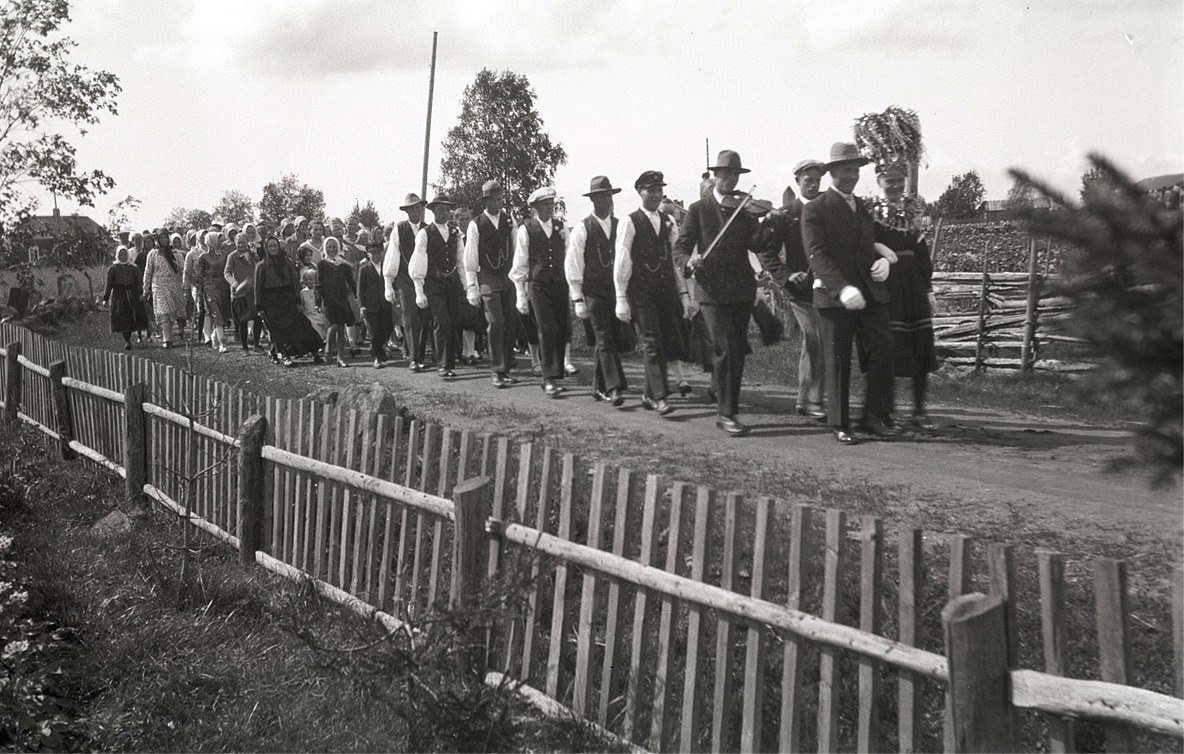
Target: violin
{"x":752,"y":205}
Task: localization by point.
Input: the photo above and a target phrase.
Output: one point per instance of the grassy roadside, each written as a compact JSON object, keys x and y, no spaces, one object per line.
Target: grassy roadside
{"x":105,"y":648}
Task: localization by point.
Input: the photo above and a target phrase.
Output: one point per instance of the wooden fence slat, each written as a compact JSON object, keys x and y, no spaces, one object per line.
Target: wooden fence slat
{"x":582,"y":690}
{"x":649,"y":520}
{"x":976,"y":649}
{"x":311,"y":485}
{"x":495,"y":463}
{"x":1055,"y":630}
{"x":958,"y":584}
{"x":663,"y":724}
{"x":871,"y":564}
{"x":832,"y":597}
{"x":614,"y":616}
{"x":559,"y":600}
{"x":516,"y":630}
{"x":443,"y":486}
{"x":431,"y":447}
{"x":346,"y":512}
{"x":390,"y":512}
{"x":692,"y":703}
{"x":1114,"y":658}
{"x":721,"y":712}
{"x":406,"y":547}
{"x":793,"y":659}
{"x":908,"y":702}
{"x":322,"y":531}
{"x":366,"y":528}
{"x":752,"y":720}
{"x":1178,"y":626}
{"x":534,"y":594}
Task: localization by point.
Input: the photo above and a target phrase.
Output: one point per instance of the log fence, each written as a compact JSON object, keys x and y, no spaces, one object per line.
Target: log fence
{"x":674,"y":617}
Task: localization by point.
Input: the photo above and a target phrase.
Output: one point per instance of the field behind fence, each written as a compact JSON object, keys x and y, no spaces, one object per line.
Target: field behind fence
{"x":675,"y":616}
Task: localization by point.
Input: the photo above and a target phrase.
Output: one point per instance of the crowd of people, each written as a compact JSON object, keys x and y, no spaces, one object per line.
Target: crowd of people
{"x":856,"y":274}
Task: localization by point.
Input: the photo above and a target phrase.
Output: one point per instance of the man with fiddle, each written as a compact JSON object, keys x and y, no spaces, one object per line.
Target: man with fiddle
{"x":725,"y":284}
{"x":850,"y":295}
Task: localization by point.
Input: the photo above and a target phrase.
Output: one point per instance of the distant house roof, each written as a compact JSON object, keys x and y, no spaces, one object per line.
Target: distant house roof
{"x":1161,"y":181}
{"x":57,"y":225}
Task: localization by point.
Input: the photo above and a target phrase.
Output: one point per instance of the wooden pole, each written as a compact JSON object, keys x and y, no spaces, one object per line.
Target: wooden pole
{"x":250,"y":488}
{"x":12,"y":381}
{"x":135,"y":445}
{"x":61,"y":410}
{"x":1027,"y":348}
{"x":981,"y":331}
{"x":472,"y":499}
{"x":976,"y":649}
{"x":427,"y":130}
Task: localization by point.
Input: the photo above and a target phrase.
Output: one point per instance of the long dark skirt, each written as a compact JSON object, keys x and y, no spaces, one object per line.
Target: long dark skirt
{"x":913,"y":352}
{"x":127,"y":311}
{"x":291,"y":332}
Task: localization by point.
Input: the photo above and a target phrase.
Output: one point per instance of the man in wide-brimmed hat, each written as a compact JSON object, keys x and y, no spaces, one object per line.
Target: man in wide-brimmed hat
{"x":648,"y":291}
{"x":400,"y":290}
{"x":850,"y":295}
{"x":489,"y":251}
{"x":784,"y":257}
{"x":436,"y":277}
{"x":725,"y":281}
{"x":591,"y":247}
{"x":537,"y":272}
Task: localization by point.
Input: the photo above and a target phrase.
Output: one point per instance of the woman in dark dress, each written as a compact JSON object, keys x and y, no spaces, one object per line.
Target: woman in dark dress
{"x":124,"y":286}
{"x":335,"y":278}
{"x":910,"y":286}
{"x":277,"y":294}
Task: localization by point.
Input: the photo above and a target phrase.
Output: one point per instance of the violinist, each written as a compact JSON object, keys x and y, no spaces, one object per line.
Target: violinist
{"x":712,"y":249}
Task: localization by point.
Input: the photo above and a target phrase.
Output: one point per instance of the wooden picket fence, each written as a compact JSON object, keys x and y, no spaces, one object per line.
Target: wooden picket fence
{"x":674,"y":617}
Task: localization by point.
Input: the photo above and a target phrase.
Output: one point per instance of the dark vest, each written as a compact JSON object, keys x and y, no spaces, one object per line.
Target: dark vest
{"x":652,"y":263}
{"x":598,"y":255}
{"x":545,"y":254}
{"x":495,"y":246}
{"x":406,"y":247}
{"x":441,"y":253}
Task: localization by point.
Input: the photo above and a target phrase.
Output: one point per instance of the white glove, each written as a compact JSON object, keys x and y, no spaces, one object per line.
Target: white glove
{"x":523,"y":305}
{"x":623,"y":309}
{"x":421,"y":300}
{"x":886,"y":253}
{"x":581,"y":310}
{"x":932,"y":302}
{"x":880,"y":270}
{"x":389,"y":294}
{"x":851,"y":298}
{"x":474,"y":297}
{"x":688,"y":308}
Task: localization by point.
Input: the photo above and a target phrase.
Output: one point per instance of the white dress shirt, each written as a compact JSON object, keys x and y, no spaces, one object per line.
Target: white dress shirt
{"x":393,"y":260}
{"x":471,"y":260}
{"x":520,"y":270}
{"x":623,"y":261}
{"x":417,"y":267}
{"x":573,"y":263}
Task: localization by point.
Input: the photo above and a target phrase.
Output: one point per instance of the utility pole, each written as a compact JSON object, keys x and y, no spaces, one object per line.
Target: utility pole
{"x":427,"y":131}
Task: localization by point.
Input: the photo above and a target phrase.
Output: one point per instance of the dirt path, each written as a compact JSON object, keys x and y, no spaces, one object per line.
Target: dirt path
{"x":1000,"y":474}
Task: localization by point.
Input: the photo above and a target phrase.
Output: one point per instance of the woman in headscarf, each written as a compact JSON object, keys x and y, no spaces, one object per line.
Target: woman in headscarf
{"x":335,"y":278}
{"x":254,"y":240}
{"x":315,"y":242}
{"x":193,"y":287}
{"x":124,"y":286}
{"x":277,"y":296}
{"x":163,"y":280}
{"x":211,"y":267}
{"x":240,"y":274}
{"x":299,"y":235}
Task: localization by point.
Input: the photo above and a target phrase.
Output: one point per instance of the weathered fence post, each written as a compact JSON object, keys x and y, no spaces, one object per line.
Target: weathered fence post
{"x":135,"y":444}
{"x":981,"y":330}
{"x":1028,"y":346}
{"x":980,"y":690}
{"x":12,"y":381}
{"x":471,"y":500}
{"x":61,"y":410}
{"x":250,"y":488}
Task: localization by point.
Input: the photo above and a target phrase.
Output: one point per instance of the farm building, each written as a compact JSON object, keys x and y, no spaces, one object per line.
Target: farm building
{"x":83,"y":239}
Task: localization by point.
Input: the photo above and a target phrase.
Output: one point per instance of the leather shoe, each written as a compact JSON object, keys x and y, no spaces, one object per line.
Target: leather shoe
{"x":599,"y":396}
{"x":499,"y":381}
{"x":616,"y":397}
{"x":815,"y":413}
{"x":877,"y":427}
{"x":729,"y":425}
{"x":551,"y":389}
{"x":663,"y":406}
{"x":922,"y":422}
{"x":647,"y":403}
{"x":845,"y":437}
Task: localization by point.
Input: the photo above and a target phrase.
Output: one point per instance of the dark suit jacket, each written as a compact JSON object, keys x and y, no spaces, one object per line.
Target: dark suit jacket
{"x":725,"y":277}
{"x":839,"y":244}
{"x":782,"y":252}
{"x":371,"y":288}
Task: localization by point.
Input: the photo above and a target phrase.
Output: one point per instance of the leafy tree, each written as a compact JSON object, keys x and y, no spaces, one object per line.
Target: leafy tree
{"x":1019,"y":196}
{"x":366,"y":216}
{"x":1091,"y":180}
{"x":499,"y":135}
{"x":1125,"y":279}
{"x":235,"y":207}
{"x":180,"y":217}
{"x":962,"y":198}
{"x":42,"y":91}
{"x":288,"y":196}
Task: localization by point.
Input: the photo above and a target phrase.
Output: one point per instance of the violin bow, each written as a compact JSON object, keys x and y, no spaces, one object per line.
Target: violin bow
{"x":739,"y":208}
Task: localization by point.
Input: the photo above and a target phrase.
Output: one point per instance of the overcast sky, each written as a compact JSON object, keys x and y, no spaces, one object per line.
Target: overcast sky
{"x":230,"y":94}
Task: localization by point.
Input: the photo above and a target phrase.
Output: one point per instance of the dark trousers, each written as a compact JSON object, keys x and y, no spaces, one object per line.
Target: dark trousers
{"x":500,"y":299}
{"x":727,"y":329}
{"x":655,"y":310}
{"x":415,"y":331}
{"x":444,"y":303}
{"x":380,"y":322}
{"x":609,"y":374}
{"x":839,"y":329}
{"x":549,"y":299}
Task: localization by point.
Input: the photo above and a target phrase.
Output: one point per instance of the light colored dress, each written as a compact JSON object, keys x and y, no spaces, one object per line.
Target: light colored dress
{"x":308,"y":305}
{"x":164,"y":280}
